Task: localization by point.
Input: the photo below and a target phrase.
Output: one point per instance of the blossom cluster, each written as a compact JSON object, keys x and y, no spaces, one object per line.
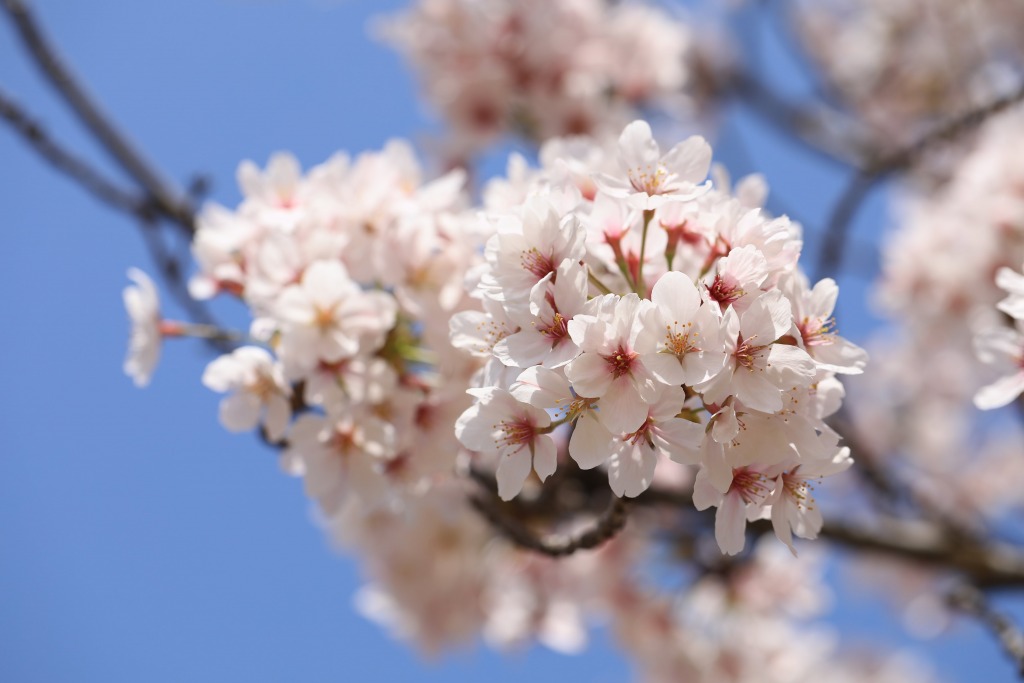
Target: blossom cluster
{"x":904,"y":63}
{"x":613,"y":308}
{"x":658,"y":318}
{"x":945,"y":271}
{"x":542,"y":68}
{"x":350,"y":272}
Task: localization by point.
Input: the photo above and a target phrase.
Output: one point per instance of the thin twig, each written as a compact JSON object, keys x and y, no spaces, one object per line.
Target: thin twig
{"x":838,"y":227}
{"x":165,"y":198}
{"x":972,"y":601}
{"x":67,"y":163}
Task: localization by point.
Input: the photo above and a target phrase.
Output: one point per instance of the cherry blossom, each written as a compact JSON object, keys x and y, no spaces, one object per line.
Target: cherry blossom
{"x":143,"y":305}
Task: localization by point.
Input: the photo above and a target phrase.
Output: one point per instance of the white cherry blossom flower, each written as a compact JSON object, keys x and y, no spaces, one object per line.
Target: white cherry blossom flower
{"x":743,"y":500}
{"x":612,"y":363}
{"x":143,"y":305}
{"x":258,"y":388}
{"x":794,"y":510}
{"x":549,"y":389}
{"x":516,"y":432}
{"x":649,"y":179}
{"x":329,"y":317}
{"x":812,"y":311}
{"x":340,"y":457}
{"x":1013,"y":283}
{"x":663,"y":434}
{"x":543,"y":336}
{"x":686,"y":332}
{"x":1004,"y":349}
{"x":757,"y":370}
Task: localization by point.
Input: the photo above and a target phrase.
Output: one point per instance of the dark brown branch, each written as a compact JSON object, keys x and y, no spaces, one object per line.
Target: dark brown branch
{"x":604,"y":528}
{"x":973,"y":602}
{"x":167,"y":200}
{"x":837,"y":230}
{"x":987,"y":564}
{"x":67,"y":163}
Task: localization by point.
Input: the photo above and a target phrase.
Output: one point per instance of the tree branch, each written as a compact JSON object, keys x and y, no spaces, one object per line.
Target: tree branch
{"x":882,"y":165}
{"x":67,"y":163}
{"x":166,"y":199}
{"x":971,"y":601}
{"x":604,"y":528}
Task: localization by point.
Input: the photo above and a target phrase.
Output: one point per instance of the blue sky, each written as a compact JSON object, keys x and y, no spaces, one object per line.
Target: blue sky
{"x":139,"y":541}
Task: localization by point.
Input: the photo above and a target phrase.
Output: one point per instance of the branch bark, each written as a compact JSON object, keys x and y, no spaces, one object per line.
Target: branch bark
{"x":164,"y":197}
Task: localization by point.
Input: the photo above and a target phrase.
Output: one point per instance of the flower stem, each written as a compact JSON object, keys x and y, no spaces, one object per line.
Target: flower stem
{"x":641,"y":287}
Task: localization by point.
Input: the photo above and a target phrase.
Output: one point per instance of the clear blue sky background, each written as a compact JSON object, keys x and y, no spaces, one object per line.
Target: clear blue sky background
{"x":138,"y":540}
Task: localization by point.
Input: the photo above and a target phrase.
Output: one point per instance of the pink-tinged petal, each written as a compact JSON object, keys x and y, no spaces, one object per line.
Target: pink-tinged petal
{"x":545,"y":456}
{"x":1000,"y":393}
{"x":841,"y":356}
{"x":717,"y":469}
{"x":823,"y":298}
{"x":294,"y":306}
{"x":278,"y":413}
{"x":222,"y":374}
{"x":590,"y":444}
{"x":541,"y":387}
{"x":792,"y":364}
{"x":769,"y":317}
{"x":999,"y":344}
{"x":690,"y":159}
{"x":730,"y":524}
{"x":680,"y":440}
{"x":751,"y":387}
{"x":589,"y":375}
{"x":705,"y":494}
{"x":637,"y":147}
{"x":725,"y":426}
{"x":665,"y":367}
{"x":474,"y":430}
{"x":631,"y":470}
{"x":513,"y":469}
{"x":677,"y":293}
{"x":325,"y":282}
{"x":780,"y":522}
{"x":240,"y":412}
{"x":622,"y":410}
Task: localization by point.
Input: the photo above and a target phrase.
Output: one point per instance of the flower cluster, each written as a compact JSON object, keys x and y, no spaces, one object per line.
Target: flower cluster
{"x":902,"y":63}
{"x":351,"y":272}
{"x":658,"y":318}
{"x":612,"y":307}
{"x":945,"y":271}
{"x":542,"y":68}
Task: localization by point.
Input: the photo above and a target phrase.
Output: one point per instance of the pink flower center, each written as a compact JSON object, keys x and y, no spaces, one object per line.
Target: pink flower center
{"x":621,"y":361}
{"x":535,"y":262}
{"x":680,"y":343}
{"x":557,"y":330}
{"x":725,"y":290}
{"x":747,"y":353}
{"x":751,"y":486}
{"x":817,"y":332}
{"x":517,"y":432}
{"x":651,"y":180}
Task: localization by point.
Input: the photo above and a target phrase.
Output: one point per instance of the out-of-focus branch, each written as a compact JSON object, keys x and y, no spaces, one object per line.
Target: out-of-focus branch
{"x":926,"y":543}
{"x":506,"y":518}
{"x":69,"y":164}
{"x":973,"y":602}
{"x":164,"y":197}
{"x":881,"y":165}
{"x":604,"y":528}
